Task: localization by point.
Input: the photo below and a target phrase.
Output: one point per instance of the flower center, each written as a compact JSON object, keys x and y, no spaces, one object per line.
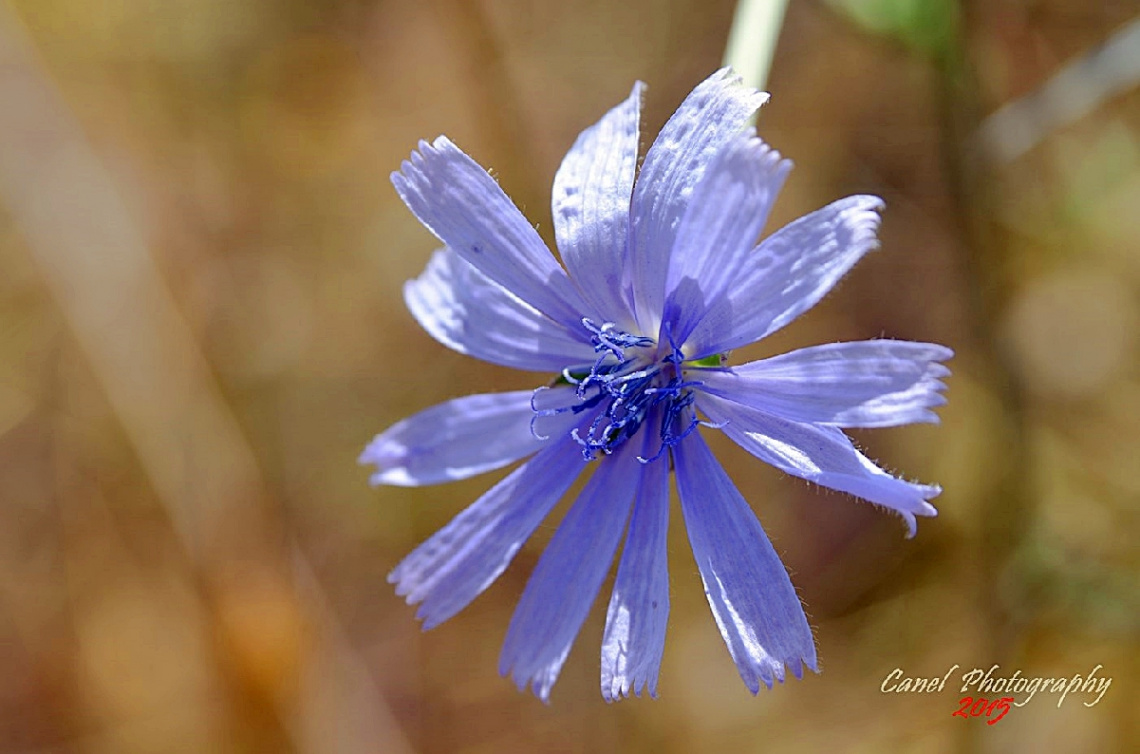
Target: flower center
{"x":632,"y":381}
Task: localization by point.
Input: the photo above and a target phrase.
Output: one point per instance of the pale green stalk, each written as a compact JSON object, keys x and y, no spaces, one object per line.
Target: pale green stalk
{"x":752,"y":39}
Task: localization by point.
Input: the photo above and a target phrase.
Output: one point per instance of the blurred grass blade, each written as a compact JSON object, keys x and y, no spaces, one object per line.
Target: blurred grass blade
{"x":105,"y":280}
{"x":1076,"y":90}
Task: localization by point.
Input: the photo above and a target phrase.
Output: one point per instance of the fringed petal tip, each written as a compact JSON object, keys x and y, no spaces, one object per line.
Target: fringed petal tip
{"x":924,"y":508}
{"x":861,"y":214}
{"x":374,"y":451}
{"x":415,"y":158}
{"x":427,"y":621}
{"x":418,"y":593}
{"x":617,"y":690}
{"x":866,"y":206}
{"x":386,"y":457}
{"x":613,"y":690}
{"x":401,"y":579}
{"x":428,"y":613}
{"x":540,"y":685}
{"x":940,"y":352}
{"x":775,"y":671}
{"x":936,"y":372}
{"x":405,"y":587}
{"x":728,"y":76}
{"x":423,"y":146}
{"x":865,"y":223}
{"x":399,"y":178}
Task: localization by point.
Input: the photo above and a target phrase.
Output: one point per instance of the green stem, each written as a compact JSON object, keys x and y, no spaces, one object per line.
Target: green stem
{"x":752,"y":39}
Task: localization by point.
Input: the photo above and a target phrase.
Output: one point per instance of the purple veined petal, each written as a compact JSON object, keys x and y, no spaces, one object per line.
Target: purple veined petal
{"x":872,"y":383}
{"x":713,"y":114}
{"x":466,"y":311}
{"x":634,"y":638}
{"x":748,"y":589}
{"x":720,"y":227}
{"x":591,"y":207}
{"x":463,"y":558}
{"x":569,"y":574}
{"x":464,"y":207}
{"x":788,"y":274}
{"x":460,"y":438}
{"x":820,"y":454}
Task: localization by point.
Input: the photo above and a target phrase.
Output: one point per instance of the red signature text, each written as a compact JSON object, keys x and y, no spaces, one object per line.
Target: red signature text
{"x":979,"y":707}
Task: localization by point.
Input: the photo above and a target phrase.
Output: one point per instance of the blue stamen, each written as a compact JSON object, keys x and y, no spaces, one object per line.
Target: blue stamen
{"x":628,"y":382}
{"x":539,"y":413}
{"x":569,"y":376}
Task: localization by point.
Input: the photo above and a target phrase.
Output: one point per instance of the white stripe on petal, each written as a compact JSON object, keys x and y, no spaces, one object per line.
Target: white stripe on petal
{"x":569,"y":574}
{"x":748,"y":589}
{"x":872,"y":383}
{"x":460,"y":438}
{"x":713,"y":114}
{"x":591,"y":207}
{"x":463,"y":558}
{"x":788,"y":274}
{"x":465,"y":310}
{"x":720,"y":228}
{"x":464,"y":207}
{"x":821,"y":454}
{"x":634,"y":639}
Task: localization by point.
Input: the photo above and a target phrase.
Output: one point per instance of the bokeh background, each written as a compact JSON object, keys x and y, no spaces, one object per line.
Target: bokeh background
{"x":201,"y":326}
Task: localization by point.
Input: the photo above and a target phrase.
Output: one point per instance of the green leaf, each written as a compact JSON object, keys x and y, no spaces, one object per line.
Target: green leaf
{"x":927,"y":26}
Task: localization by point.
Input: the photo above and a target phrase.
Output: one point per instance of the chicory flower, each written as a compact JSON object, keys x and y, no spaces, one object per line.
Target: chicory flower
{"x":661,"y":278}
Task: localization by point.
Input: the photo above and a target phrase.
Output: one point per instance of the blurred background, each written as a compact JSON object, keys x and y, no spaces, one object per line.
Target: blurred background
{"x":201,"y":326}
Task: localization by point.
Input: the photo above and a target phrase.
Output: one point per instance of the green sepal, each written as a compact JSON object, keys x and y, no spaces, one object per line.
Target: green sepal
{"x":577,"y":374}
{"x":716,"y":360}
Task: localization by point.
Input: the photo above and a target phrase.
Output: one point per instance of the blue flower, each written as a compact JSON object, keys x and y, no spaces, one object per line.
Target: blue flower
{"x":662,"y":278}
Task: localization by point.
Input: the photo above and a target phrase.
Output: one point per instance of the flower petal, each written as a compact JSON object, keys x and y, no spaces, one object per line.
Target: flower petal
{"x":722,"y":222}
{"x":872,"y":383}
{"x":634,"y":639}
{"x":591,"y":207}
{"x":460,"y":438}
{"x":709,"y":118}
{"x":464,"y":206}
{"x":465,"y":310}
{"x":788,"y":274}
{"x":463,"y":558}
{"x":751,"y":596}
{"x":820,"y":454}
{"x":569,"y":574}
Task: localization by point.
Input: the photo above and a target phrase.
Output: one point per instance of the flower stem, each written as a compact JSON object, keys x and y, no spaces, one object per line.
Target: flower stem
{"x":752,"y":39}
